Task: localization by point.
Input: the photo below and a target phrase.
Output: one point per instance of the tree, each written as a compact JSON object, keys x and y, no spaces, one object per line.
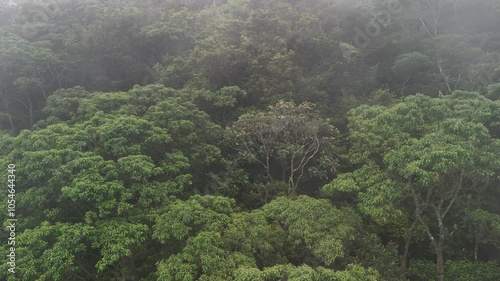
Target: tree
{"x":220,"y":104}
{"x":96,"y":173}
{"x":28,"y":73}
{"x":427,"y":152}
{"x":288,"y":134}
{"x":209,"y":240}
{"x":410,"y":66}
{"x":486,"y":227}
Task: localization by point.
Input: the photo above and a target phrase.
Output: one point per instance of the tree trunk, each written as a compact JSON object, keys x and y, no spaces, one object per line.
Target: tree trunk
{"x":476,"y":246}
{"x":407,"y":245}
{"x":128,"y":270}
{"x":11,"y":123}
{"x":30,"y":109}
{"x":9,"y":116}
{"x":291,"y":182}
{"x":291,"y":192}
{"x":292,"y":188}
{"x":439,"y":255}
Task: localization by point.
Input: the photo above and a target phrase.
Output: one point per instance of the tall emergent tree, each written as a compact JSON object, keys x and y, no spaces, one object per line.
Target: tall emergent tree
{"x":288,"y":135}
{"x":427,"y":153}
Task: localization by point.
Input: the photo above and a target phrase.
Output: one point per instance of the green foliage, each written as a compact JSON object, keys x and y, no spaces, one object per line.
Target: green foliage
{"x":110,"y":172}
{"x":493,"y":91}
{"x":420,"y":157}
{"x":461,"y":270}
{"x":323,"y":229}
{"x":407,"y":64}
{"x":64,"y":103}
{"x":186,"y":218}
{"x":486,"y":226}
{"x":157,"y":139}
{"x":51,"y":249}
{"x":304,"y":272}
{"x":251,"y":234}
{"x":116,"y":239}
{"x":215,"y":242}
{"x":289,"y":134}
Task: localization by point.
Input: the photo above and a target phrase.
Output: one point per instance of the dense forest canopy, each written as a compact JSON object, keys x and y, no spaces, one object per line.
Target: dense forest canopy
{"x":250,"y":140}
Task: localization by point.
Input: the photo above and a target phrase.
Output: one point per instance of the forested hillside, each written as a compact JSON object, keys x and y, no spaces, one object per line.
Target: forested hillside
{"x":250,"y":140}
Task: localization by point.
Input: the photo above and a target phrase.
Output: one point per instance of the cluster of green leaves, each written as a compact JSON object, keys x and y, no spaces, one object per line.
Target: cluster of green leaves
{"x":418,"y":159}
{"x":217,"y":243}
{"x":96,"y":173}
